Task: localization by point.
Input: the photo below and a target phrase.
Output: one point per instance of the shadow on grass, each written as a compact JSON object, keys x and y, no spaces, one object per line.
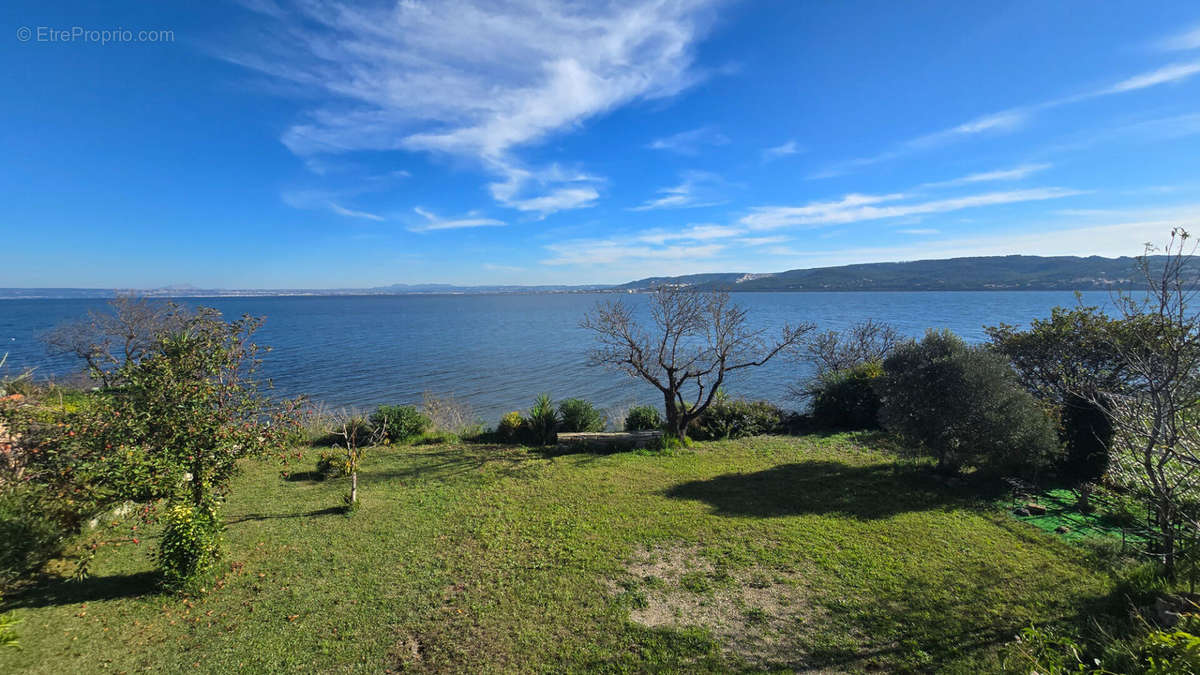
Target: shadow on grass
{"x":305,"y":476}
{"x":53,"y":591}
{"x":333,"y":510}
{"x":455,"y":461}
{"x":823,"y":487}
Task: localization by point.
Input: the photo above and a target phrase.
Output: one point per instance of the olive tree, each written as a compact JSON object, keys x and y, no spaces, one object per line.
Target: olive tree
{"x":962,"y":405}
{"x":691,"y":343}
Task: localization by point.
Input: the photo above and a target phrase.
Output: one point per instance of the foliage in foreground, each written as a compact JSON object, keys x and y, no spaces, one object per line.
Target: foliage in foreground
{"x":1151,"y":651}
{"x":186,"y":411}
{"x":643,"y":418}
{"x":962,"y":406}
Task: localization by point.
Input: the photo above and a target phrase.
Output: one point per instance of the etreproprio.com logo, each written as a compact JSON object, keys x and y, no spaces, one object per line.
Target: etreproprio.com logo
{"x":101,"y":36}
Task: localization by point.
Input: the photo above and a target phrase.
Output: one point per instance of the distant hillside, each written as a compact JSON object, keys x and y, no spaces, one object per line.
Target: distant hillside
{"x":1014,"y":272}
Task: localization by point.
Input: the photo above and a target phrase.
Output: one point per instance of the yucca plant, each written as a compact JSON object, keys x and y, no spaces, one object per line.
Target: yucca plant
{"x":543,"y":421}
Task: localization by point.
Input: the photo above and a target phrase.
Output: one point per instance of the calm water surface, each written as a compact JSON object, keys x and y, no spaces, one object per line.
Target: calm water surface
{"x":498,"y":352}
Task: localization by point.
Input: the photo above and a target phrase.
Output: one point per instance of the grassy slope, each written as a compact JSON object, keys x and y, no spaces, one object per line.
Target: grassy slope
{"x":497,"y":559}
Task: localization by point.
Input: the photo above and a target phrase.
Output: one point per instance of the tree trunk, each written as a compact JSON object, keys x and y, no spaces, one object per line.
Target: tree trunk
{"x":674,"y":416}
{"x":354,"y":487}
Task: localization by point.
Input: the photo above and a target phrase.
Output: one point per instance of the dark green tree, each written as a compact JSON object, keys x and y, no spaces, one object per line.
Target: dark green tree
{"x":962,"y":405}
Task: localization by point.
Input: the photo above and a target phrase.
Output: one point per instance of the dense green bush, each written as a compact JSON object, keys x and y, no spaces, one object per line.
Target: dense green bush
{"x":543,"y":421}
{"x":846,"y":399}
{"x":190,"y":546}
{"x":398,"y":423}
{"x":333,"y":463}
{"x":30,"y":534}
{"x":643,"y":418}
{"x":576,"y":414}
{"x":511,"y":427}
{"x":1063,"y":358}
{"x":963,"y":406}
{"x":736,"y":418}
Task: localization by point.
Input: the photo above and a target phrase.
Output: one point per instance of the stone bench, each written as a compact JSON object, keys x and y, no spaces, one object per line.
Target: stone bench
{"x":608,"y":440}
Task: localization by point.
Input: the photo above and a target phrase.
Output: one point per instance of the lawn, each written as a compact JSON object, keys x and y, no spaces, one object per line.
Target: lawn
{"x":813,"y":553}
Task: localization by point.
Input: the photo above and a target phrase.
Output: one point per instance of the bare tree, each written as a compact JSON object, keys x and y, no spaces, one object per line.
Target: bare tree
{"x":864,"y":342}
{"x":105,"y":340}
{"x":355,"y":434}
{"x":695,"y":340}
{"x":1156,"y":444}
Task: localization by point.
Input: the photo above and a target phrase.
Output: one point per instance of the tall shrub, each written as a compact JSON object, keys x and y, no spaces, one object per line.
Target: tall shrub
{"x":737,"y":418}
{"x":576,"y":414}
{"x":846,"y":399}
{"x":643,"y":418}
{"x":963,"y":406}
{"x":397,"y":423}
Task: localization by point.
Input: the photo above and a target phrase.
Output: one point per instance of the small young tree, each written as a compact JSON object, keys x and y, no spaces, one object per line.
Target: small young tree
{"x":1156,"y":419}
{"x":695,"y":340}
{"x":182,"y":417}
{"x":963,"y":406}
{"x":355,"y":433}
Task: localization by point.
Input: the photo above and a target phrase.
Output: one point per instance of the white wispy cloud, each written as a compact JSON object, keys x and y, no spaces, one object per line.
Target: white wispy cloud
{"x":473,"y":78}
{"x":920,"y":231}
{"x":699,"y":188}
{"x":689,"y":142}
{"x":1184,"y":41}
{"x":855,"y":208}
{"x":762,"y":241}
{"x":610,"y":251}
{"x":1165,"y":75}
{"x":1011,"y":119}
{"x":995,"y":122}
{"x":433,"y":222}
{"x":343,"y":211}
{"x":781,"y":150}
{"x":1015,"y":173}
{"x":325,"y":200}
{"x":698,"y":232}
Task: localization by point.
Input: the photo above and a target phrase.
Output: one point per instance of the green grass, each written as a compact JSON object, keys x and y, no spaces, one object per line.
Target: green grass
{"x":813,"y":552}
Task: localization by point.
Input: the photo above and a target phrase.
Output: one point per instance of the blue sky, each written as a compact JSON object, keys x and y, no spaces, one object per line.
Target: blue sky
{"x":324,"y":144}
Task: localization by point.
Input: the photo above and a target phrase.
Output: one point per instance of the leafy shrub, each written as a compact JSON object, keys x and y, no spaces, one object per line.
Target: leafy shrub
{"x":543,"y":421}
{"x":669,"y":444}
{"x":398,"y":422}
{"x":643,"y":418}
{"x":576,"y":414}
{"x":8,"y":630}
{"x":332,"y":463}
{"x":846,"y":399}
{"x":511,"y":427}
{"x":737,"y":418}
{"x":190,"y":546}
{"x":31,"y":534}
{"x":963,"y":406}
